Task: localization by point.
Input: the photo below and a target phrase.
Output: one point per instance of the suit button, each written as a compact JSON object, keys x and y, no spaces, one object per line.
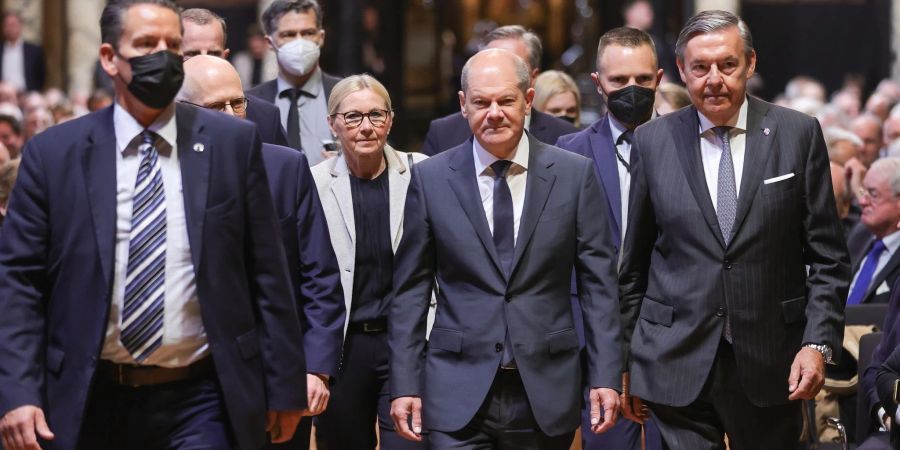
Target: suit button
{"x":727,"y":265}
{"x":498,"y":347}
{"x":508,"y":298}
{"x":720,"y":312}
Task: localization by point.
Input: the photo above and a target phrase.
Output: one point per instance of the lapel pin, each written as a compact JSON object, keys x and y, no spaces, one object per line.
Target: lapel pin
{"x":766,"y":131}
{"x":198,"y":147}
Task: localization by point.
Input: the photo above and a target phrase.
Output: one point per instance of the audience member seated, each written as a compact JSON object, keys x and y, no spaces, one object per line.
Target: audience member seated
{"x":868,"y":128}
{"x":842,"y":145}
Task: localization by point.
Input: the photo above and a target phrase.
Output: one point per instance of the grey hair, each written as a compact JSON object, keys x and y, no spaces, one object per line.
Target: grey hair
{"x":113,"y":16}
{"x":523,"y":75}
{"x":202,"y":16}
{"x":706,"y":22}
{"x":531,"y":40}
{"x":889,"y":166}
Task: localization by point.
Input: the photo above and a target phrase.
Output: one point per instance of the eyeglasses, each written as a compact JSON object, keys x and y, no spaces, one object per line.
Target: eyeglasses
{"x":869,"y":194}
{"x":377,"y":117}
{"x":238,"y":105}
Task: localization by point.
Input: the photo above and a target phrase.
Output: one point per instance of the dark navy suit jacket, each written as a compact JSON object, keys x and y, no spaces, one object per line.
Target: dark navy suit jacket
{"x":35,"y":67}
{"x":267,"y":118}
{"x":449,"y":131}
{"x":311,"y":261}
{"x":56,"y":271}
{"x":446,"y":238}
{"x":887,"y":375}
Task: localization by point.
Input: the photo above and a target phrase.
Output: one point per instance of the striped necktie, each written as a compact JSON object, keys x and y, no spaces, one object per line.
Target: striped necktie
{"x":145,"y":287}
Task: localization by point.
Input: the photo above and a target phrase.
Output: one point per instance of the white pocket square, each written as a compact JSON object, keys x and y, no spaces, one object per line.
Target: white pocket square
{"x":882,"y":288}
{"x":779,"y":178}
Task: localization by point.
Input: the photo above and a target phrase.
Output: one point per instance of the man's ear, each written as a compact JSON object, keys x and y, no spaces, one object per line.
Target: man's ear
{"x":226,"y":53}
{"x":107,"y":60}
{"x":529,"y":97}
{"x":680,"y":64}
{"x":271,"y":43}
{"x":462,"y":102}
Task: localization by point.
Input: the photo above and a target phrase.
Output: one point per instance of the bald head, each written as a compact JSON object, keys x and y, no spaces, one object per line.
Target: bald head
{"x":209,"y":80}
{"x":498,"y":61}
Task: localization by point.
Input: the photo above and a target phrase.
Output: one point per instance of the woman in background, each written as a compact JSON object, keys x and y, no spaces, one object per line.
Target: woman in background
{"x":556,"y":94}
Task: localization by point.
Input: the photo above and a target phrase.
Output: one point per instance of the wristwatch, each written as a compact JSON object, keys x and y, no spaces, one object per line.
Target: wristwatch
{"x":825,"y":350}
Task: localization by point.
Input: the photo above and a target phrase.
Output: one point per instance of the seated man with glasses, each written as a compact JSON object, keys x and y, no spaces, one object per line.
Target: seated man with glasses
{"x":212,"y":83}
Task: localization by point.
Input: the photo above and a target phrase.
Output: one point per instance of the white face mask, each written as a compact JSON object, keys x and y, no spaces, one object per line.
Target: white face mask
{"x":298,"y":57}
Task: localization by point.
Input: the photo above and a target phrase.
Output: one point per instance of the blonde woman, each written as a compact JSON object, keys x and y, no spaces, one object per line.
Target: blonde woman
{"x":556,"y":93}
{"x":363,"y":193}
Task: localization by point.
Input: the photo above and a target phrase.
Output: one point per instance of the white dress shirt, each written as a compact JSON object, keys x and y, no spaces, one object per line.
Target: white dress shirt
{"x":516,"y":177}
{"x":14,"y":64}
{"x":616,"y":129}
{"x":891,"y":244}
{"x":314,"y":130}
{"x":711,"y":151}
{"x":184,"y":339}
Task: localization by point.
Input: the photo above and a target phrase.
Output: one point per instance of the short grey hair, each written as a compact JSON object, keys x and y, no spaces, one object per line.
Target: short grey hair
{"x":523,"y":75}
{"x":203,"y":16}
{"x":531,"y":40}
{"x":712,"y":21}
{"x":889,"y":166}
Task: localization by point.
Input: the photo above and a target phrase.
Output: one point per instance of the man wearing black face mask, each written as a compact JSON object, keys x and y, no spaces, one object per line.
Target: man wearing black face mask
{"x":142,"y":283}
{"x":627,"y":76}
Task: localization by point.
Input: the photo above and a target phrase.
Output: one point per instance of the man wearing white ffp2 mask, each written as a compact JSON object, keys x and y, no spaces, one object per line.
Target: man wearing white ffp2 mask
{"x":294,"y":31}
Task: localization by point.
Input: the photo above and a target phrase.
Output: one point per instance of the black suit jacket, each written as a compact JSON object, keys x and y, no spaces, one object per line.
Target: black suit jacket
{"x":310,"y":257}
{"x":269,"y":90}
{"x":886,"y":381}
{"x":56,"y":271}
{"x":679,"y":281}
{"x":859,"y":244}
{"x":446,"y":238}
{"x":267,"y":118}
{"x":449,"y":131}
{"x":35,"y":68}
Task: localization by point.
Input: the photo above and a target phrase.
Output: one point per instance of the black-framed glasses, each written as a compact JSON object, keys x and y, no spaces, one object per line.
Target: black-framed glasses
{"x":377,"y":117}
{"x":238,"y":105}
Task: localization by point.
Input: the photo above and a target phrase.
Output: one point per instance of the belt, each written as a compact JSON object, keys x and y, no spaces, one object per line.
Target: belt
{"x":369,"y":326}
{"x":136,"y":376}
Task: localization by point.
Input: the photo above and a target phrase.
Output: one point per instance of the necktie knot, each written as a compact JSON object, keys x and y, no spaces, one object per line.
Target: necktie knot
{"x":723,"y":134}
{"x":877,"y":247}
{"x":625,"y":137}
{"x":148,"y":138}
{"x":500,"y":168}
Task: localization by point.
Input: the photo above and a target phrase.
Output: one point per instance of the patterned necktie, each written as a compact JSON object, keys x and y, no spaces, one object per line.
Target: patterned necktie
{"x":866,"y":273}
{"x":504,"y":236}
{"x":293,"y":118}
{"x":726,"y":203}
{"x":145,"y":287}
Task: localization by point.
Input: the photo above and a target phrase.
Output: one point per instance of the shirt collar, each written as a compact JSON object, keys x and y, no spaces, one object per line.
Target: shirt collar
{"x":14,"y":45}
{"x":892,"y":242}
{"x":738,"y":122}
{"x":484,"y":158}
{"x":127,"y":127}
{"x":528,"y":119}
{"x":313,"y":85}
{"x":616,"y":127}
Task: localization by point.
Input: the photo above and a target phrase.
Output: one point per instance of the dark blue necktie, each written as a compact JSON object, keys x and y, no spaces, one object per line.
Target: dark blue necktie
{"x":866,"y":272}
{"x":504,"y":235}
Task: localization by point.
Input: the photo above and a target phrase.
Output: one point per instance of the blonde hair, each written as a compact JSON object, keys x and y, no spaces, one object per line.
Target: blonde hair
{"x":8,"y":173}
{"x":554,"y":82}
{"x":674,"y":94}
{"x":356,"y":83}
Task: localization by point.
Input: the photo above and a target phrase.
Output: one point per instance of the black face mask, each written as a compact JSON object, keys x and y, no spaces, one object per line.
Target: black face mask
{"x":156,"y":78}
{"x":632,"y":105}
{"x":570,"y":119}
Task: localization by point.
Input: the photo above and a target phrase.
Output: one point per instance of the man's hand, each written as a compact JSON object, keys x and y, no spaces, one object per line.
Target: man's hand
{"x":18,"y":428}
{"x":807,"y":374}
{"x":632,"y":407}
{"x":317,"y":394}
{"x":607,"y":400}
{"x":282,"y":424}
{"x":854,"y":172}
{"x":401,"y":409}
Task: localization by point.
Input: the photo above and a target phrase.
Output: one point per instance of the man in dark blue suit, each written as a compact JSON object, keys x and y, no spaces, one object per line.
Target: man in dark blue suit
{"x":145,"y":297}
{"x":311,"y":260}
{"x":627,"y":76}
{"x":449,"y":131}
{"x":204,"y":34}
{"x":499,"y":222}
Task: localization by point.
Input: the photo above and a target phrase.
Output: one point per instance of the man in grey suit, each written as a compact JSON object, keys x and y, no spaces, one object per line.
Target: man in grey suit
{"x":734,"y":265}
{"x":500,"y":221}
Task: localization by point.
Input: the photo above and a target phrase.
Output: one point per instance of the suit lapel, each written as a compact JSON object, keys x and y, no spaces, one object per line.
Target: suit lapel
{"x":605,"y":160}
{"x":194,"y":149}
{"x":882,"y":276}
{"x":537,"y":190}
{"x":398,"y":182}
{"x":98,"y":157}
{"x":464,"y":184}
{"x":688,"y":145}
{"x":341,"y":190}
{"x":757,"y":148}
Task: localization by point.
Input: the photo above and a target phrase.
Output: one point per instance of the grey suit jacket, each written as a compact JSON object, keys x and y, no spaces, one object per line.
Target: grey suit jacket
{"x":332,"y":179}
{"x":447,"y":238}
{"x":780,"y":282}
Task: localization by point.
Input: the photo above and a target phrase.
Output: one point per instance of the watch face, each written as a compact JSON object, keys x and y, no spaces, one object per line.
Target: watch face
{"x":896,"y":388}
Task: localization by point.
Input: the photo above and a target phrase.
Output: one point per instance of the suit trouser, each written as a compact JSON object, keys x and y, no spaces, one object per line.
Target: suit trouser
{"x":181,"y":415}
{"x":503,"y":422}
{"x":359,"y":396}
{"x":724,"y":408}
